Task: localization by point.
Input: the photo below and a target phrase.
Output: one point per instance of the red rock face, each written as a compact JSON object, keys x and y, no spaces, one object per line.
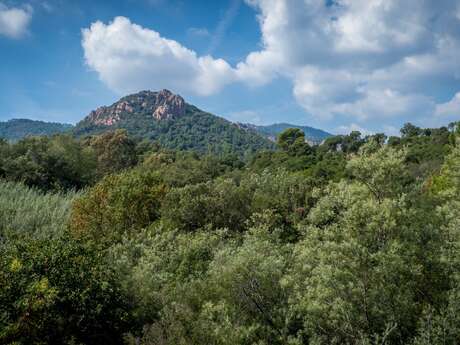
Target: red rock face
{"x":163,"y":105}
{"x":168,"y":105}
{"x":123,"y":107}
{"x":100,"y":117}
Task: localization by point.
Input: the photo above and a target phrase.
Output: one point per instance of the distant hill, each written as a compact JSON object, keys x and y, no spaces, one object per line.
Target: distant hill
{"x":166,"y":118}
{"x":312,"y":135}
{"x":16,"y":129}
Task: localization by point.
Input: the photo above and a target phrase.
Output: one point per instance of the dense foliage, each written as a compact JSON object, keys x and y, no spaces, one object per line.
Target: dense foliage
{"x":355,"y":241}
{"x":16,"y":129}
{"x":61,"y":162}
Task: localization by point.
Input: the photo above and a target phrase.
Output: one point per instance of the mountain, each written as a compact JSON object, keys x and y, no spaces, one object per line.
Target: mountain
{"x":166,"y":118}
{"x":312,"y":135}
{"x":19,"y":128}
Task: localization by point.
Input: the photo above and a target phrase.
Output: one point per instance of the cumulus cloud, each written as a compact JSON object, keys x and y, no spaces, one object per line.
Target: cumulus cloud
{"x":449,"y":110}
{"x":346,"y":129}
{"x":245,"y":116}
{"x":129,"y":57}
{"x":14,"y":21}
{"x":361,"y":61}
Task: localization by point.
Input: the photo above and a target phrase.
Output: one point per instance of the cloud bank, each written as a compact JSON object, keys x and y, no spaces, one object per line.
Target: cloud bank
{"x":360,"y":61}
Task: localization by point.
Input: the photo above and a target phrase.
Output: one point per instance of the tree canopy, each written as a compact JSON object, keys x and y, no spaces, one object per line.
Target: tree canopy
{"x":114,"y":240}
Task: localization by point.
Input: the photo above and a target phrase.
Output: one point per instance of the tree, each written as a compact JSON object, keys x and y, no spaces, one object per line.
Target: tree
{"x":383,"y":172}
{"x":292,"y":141}
{"x":118,"y":204}
{"x":216,"y":205}
{"x":115,"y":151}
{"x":409,"y":130}
{"x":249,"y":303}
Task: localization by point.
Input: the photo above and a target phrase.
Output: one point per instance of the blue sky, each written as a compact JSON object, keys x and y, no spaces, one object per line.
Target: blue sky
{"x":339,"y":65}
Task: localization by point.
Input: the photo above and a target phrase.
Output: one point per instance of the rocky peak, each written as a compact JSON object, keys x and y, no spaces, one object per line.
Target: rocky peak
{"x":168,"y":105}
{"x":162,"y":105}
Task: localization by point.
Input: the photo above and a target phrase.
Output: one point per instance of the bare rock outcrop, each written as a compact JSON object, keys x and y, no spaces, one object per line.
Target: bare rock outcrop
{"x":162,"y":105}
{"x":168,"y":105}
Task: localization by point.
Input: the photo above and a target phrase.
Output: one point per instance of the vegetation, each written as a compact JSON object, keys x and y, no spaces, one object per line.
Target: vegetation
{"x":25,"y":211}
{"x":354,"y":241}
{"x":16,"y":129}
{"x":61,"y":162}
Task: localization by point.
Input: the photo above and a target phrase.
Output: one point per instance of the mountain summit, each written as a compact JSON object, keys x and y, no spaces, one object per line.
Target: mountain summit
{"x":166,"y":118}
{"x":157,"y":105}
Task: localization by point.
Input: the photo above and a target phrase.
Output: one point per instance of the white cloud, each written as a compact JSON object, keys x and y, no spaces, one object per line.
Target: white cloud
{"x":386,"y":129}
{"x":362,"y":60}
{"x":449,"y":110}
{"x":384,"y":104}
{"x":347,"y":129}
{"x":14,"y":21}
{"x":246,"y":116}
{"x":379,"y":26}
{"x":129,"y":58}
{"x":391,"y":130}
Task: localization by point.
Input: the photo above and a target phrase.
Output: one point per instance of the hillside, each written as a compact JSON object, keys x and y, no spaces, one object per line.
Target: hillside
{"x":312,"y":135}
{"x":16,"y":129}
{"x":166,"y":118}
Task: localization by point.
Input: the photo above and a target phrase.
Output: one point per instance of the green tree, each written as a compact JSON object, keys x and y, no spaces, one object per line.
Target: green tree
{"x":409,"y":130}
{"x":115,"y":151}
{"x":216,"y":204}
{"x":118,"y":204}
{"x":383,"y":172}
{"x":292,"y":141}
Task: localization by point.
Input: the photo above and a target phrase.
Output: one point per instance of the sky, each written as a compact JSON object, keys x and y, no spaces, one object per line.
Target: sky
{"x":338,"y":65}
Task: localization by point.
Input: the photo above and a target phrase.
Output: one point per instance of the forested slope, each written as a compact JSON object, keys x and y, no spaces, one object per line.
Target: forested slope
{"x":16,"y":129}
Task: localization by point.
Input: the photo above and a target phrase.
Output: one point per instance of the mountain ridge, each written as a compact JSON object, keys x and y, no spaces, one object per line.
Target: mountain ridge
{"x":167,"y":118}
{"x":16,"y":129}
{"x":314,"y":136}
